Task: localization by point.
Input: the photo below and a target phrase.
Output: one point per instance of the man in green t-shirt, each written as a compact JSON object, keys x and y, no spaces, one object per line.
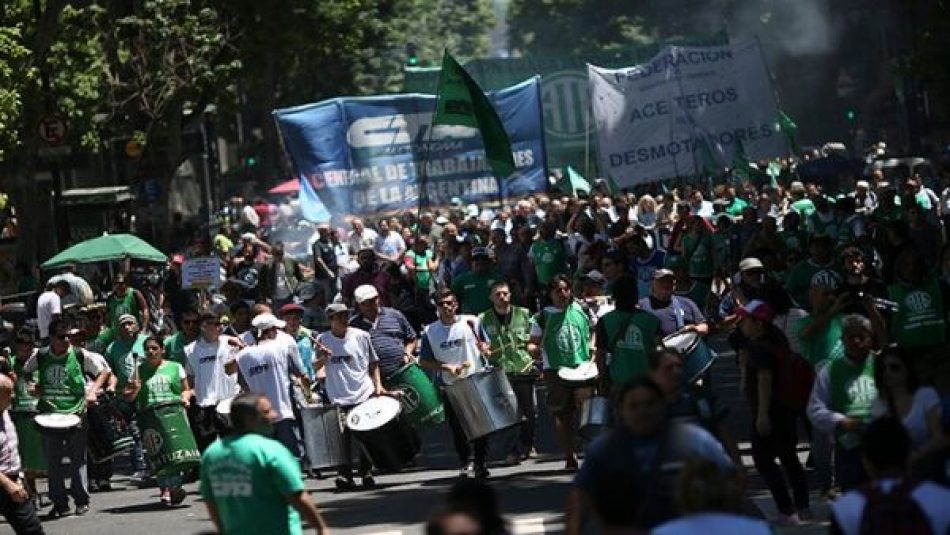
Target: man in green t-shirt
{"x":472,"y":287}
{"x":628,"y":336}
{"x":251,"y":484}
{"x":820,"y":331}
{"x":125,"y":300}
{"x":548,"y":255}
{"x":819,"y":259}
{"x":123,"y":355}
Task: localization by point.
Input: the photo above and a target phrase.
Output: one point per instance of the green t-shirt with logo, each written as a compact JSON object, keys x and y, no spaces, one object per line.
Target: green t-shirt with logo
{"x":799,"y":280}
{"x":421,"y":264}
{"x":566,"y":336}
{"x":123,"y":355}
{"x":161,"y":384}
{"x":630,"y":339}
{"x":823,"y":347}
{"x":249,"y":478}
{"x":472,"y":289}
{"x":919,"y":320}
{"x":549,"y":259}
{"x":852,"y":391}
{"x":61,"y":381}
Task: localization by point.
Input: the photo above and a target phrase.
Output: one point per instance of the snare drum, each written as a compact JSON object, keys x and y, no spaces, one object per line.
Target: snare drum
{"x":697,"y":357}
{"x":484,"y":403}
{"x":55,"y":424}
{"x":585,"y":374}
{"x":387,"y":440}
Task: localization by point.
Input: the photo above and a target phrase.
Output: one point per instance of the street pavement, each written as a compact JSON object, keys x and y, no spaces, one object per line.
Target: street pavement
{"x":531,"y":495}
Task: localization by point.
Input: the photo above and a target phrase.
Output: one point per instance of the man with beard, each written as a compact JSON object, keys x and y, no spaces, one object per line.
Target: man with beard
{"x":368,"y":273}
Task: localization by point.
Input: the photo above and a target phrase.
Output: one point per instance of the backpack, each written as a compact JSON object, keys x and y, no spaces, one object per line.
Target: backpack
{"x":794,"y":378}
{"x":893,"y":513}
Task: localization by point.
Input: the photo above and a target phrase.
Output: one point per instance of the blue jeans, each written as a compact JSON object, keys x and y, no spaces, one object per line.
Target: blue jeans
{"x":138,"y":452}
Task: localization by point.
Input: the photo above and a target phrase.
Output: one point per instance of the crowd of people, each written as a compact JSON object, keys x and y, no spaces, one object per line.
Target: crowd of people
{"x":834,"y":301}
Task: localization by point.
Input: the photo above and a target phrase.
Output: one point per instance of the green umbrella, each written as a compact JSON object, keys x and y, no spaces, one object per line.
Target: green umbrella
{"x":104,"y":248}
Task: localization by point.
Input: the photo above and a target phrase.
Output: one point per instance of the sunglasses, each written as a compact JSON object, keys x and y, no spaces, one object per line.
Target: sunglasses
{"x":447,"y":304}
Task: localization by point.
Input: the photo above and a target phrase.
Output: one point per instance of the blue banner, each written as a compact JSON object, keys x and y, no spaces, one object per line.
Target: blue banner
{"x":364,"y":155}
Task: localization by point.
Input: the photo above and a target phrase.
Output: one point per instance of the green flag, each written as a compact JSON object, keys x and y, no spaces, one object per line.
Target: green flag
{"x":612,"y":186}
{"x":788,"y":128}
{"x":461,"y":102}
{"x":774,"y":170}
{"x":571,"y":182}
{"x":741,"y":170}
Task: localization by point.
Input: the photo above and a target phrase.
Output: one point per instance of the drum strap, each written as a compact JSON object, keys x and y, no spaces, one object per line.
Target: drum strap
{"x":678,"y":313}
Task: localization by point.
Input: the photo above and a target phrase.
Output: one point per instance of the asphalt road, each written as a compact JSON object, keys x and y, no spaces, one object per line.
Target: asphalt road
{"x":531,"y":495}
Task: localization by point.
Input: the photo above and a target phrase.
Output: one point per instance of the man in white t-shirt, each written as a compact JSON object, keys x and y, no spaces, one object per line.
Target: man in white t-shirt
{"x":352,"y":377}
{"x":266,"y":369}
{"x":205,"y":359}
{"x":389,"y":244}
{"x":454,"y":347}
{"x":49,"y":307}
{"x":360,"y":237}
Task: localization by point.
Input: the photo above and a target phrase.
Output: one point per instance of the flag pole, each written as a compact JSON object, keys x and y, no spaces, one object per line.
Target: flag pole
{"x":422,"y":174}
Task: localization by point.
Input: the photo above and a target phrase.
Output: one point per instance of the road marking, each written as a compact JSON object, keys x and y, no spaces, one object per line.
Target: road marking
{"x":527,"y":526}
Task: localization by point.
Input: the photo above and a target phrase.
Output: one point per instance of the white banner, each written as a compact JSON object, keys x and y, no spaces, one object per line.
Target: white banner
{"x":201,"y":273}
{"x":686,"y":108}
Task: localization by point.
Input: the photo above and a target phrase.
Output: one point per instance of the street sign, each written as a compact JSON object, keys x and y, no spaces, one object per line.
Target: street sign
{"x":52,"y":130}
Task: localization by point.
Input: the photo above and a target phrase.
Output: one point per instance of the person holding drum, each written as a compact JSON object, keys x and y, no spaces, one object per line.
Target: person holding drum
{"x":562,"y":334}
{"x":15,"y":503}
{"x":250,"y":483}
{"x":62,"y":392}
{"x":452,"y":347}
{"x":352,"y":369}
{"x":204,"y":364}
{"x":24,"y":409}
{"x":160,"y":381}
{"x":509,"y":329}
{"x":392,"y":336}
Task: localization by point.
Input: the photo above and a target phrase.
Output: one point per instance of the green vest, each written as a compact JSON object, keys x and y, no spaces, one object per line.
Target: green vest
{"x":630,"y":338}
{"x":509,"y":343}
{"x":23,"y":401}
{"x":549,"y":259}
{"x":851,"y":392}
{"x":566,"y":338}
{"x":62,"y":386}
{"x":116,"y":306}
{"x":421,"y":263}
{"x":159,"y":385}
{"x":919,"y":320}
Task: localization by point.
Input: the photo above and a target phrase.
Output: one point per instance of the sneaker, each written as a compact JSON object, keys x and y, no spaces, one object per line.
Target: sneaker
{"x":368,"y":482}
{"x":56,"y":512}
{"x":512,"y":459}
{"x":344,"y":483}
{"x":177,"y":495}
{"x":481,"y":473}
{"x":467,"y":471}
{"x":166,"y":497}
{"x":82,"y":509}
{"x":784,"y":520}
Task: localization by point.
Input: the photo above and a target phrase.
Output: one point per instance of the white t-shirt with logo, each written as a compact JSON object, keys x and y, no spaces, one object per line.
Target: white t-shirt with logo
{"x":205,"y":363}
{"x":348,"y":381}
{"x":266,"y":371}
{"x":453,"y":344}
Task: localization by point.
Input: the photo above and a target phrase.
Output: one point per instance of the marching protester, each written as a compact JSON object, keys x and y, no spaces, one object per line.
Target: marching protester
{"x":16,"y":503}
{"x":205,"y":360}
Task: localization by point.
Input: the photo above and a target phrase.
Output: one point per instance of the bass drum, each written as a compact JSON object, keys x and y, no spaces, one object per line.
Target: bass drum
{"x":484,"y":403}
{"x":385,"y":437}
{"x":168,"y":439}
{"x":420,"y":400}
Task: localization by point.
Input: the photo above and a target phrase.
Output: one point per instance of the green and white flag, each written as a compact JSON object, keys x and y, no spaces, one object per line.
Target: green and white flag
{"x":572,"y":182}
{"x":461,"y":102}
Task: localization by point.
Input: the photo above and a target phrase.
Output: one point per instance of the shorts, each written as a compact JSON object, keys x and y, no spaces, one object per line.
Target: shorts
{"x":563,"y":398}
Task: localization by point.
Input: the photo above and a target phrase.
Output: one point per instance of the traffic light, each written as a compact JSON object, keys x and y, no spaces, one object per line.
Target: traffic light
{"x":412,"y":55}
{"x":850,"y":115}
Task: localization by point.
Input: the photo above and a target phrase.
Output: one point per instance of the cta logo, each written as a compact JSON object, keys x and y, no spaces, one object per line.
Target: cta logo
{"x":401,"y":129}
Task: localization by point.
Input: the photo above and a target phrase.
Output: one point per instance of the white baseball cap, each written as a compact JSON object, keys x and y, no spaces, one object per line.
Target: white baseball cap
{"x":266,"y":321}
{"x":364,"y":293}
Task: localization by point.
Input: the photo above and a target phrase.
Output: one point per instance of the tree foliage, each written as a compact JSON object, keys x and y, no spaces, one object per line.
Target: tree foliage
{"x":14,"y":79}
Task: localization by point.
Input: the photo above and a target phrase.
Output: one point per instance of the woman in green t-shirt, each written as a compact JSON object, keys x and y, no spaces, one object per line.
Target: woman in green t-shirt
{"x":159,"y":381}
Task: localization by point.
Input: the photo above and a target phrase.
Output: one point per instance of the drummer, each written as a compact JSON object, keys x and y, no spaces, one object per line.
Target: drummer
{"x":509,"y":328}
{"x":675,"y":312}
{"x":159,"y":381}
{"x":24,"y":408}
{"x":392,"y":336}
{"x":62,"y":390}
{"x":452,"y":347}
{"x":205,"y":359}
{"x":123,"y":355}
{"x":352,"y":377}
{"x":562,"y":334}
{"x":628,"y":335}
